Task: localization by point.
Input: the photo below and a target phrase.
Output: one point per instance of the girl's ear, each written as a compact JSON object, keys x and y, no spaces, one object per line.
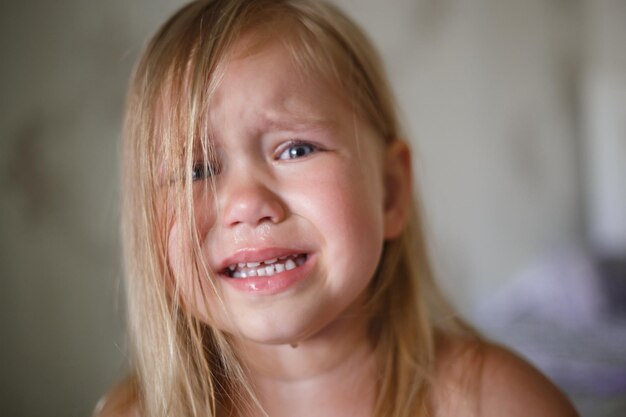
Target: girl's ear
{"x":398,"y":182}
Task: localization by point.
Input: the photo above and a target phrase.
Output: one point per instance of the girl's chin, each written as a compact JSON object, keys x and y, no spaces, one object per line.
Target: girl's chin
{"x":264,"y":336}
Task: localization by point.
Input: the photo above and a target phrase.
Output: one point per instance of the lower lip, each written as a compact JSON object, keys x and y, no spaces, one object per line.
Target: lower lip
{"x":275,"y":284}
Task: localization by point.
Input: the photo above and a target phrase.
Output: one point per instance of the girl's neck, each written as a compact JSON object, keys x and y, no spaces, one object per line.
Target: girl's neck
{"x":332,"y":373}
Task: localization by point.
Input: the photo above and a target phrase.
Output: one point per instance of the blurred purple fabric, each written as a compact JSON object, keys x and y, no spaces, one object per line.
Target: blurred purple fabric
{"x":566,"y":315}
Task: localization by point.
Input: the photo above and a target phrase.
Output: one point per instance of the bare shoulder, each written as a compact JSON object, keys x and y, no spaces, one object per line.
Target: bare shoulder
{"x":120,"y":401}
{"x":511,"y":386}
{"x":484,"y":380}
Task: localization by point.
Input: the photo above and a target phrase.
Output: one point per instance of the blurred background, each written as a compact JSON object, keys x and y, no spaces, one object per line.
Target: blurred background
{"x":517,"y":115}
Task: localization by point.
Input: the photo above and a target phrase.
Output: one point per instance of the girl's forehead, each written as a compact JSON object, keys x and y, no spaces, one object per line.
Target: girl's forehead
{"x":265,"y":82}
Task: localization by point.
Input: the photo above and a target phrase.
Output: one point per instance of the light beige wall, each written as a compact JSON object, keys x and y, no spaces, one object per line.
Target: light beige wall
{"x":488,"y":90}
{"x":604,"y":125}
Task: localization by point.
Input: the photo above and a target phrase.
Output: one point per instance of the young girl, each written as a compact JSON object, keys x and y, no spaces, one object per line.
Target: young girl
{"x":276,"y":265}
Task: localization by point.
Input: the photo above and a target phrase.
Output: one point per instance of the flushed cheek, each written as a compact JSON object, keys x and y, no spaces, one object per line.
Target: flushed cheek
{"x":352,"y":203}
{"x":191,"y":286}
{"x":349,"y":218}
{"x":204,"y":211}
{"x":359,"y":229}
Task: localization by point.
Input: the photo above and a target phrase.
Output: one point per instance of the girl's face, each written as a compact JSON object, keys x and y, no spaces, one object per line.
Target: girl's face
{"x":295,"y":224}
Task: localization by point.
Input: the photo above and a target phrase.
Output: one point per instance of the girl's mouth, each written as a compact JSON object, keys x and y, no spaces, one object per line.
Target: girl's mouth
{"x":265,"y":268}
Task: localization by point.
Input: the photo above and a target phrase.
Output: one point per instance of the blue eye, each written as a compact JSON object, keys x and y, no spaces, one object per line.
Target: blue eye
{"x":297,"y":150}
{"x":204,"y":170}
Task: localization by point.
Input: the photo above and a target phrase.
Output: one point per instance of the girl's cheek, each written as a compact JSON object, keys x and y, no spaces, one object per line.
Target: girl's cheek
{"x":185,"y":281}
{"x":180,"y":243}
{"x":178,"y":254}
{"x":204,"y":212}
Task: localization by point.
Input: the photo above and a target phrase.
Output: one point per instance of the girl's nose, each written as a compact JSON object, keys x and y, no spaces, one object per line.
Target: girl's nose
{"x":249,"y":201}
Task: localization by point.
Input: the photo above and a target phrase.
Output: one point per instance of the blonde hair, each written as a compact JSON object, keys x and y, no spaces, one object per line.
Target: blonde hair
{"x":182,"y":366}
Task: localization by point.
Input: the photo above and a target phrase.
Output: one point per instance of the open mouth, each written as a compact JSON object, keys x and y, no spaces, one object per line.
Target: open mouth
{"x":266,"y":268}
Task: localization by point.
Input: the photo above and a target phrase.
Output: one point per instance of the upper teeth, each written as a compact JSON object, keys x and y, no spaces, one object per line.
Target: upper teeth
{"x":267,"y":267}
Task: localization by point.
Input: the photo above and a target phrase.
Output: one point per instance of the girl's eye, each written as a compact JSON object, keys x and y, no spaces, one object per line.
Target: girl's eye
{"x":204,"y":170}
{"x":297,"y":150}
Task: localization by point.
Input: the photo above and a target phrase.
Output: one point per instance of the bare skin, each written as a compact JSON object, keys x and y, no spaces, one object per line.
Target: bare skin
{"x":492,"y":382}
{"x":315,"y":377}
